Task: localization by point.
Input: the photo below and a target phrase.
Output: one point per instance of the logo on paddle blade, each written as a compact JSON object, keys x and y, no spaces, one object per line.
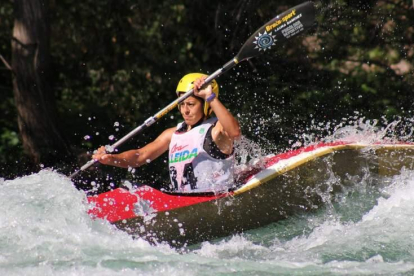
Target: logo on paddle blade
{"x":264,"y":41}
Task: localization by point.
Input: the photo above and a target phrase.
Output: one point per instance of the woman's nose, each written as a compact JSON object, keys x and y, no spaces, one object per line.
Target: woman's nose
{"x":186,"y":107}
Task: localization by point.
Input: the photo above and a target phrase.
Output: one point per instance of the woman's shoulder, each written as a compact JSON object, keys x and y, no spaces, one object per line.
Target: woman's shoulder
{"x":167,"y":134}
{"x":211,"y":121}
{"x":170,"y":130}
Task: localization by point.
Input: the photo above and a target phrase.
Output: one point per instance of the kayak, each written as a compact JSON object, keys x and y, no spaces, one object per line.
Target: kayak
{"x":277,"y":187}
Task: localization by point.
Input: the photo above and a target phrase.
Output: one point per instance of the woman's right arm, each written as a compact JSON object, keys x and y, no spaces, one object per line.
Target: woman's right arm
{"x":137,"y":157}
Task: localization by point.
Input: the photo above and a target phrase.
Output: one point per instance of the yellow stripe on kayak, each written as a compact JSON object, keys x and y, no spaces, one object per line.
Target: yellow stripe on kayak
{"x":273,"y":171}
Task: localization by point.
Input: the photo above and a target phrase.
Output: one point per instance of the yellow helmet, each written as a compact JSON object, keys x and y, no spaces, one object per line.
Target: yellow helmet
{"x":187,"y":82}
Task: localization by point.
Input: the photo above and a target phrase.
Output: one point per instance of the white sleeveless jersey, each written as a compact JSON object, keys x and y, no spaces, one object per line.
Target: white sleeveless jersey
{"x":192,"y":169}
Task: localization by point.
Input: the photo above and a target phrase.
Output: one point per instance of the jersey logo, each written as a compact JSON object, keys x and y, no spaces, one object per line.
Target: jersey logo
{"x":183,"y":155}
{"x":177,"y":148}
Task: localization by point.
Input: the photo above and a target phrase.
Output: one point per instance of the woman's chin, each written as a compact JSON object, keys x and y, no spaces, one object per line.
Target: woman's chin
{"x":188,"y":122}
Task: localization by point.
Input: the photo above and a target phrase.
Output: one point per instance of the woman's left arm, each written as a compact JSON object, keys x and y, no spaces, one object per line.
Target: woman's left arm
{"x":230,"y":126}
{"x":227,"y":129}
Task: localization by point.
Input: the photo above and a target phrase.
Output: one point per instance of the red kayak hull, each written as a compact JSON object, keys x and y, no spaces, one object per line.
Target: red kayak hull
{"x":283,"y":185}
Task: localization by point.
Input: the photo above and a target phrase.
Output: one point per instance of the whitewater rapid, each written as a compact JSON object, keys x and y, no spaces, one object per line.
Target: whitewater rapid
{"x":45,"y":230}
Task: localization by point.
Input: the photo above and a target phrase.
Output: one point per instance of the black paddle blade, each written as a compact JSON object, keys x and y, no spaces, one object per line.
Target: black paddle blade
{"x":284,"y":26}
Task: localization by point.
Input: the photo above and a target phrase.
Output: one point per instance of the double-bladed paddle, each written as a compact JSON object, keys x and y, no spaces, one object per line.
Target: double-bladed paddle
{"x":281,"y":28}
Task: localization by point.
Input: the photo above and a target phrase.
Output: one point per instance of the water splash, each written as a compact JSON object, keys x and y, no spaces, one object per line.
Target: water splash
{"x":45,"y":230}
{"x":248,"y":154}
{"x":378,"y":242}
{"x":366,"y":229}
{"x":383,"y":232}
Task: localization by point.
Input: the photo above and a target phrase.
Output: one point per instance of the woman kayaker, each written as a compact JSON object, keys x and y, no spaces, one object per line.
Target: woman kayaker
{"x":201,"y":151}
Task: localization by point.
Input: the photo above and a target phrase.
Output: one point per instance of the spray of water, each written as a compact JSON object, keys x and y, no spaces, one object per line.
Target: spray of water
{"x":363,"y":229}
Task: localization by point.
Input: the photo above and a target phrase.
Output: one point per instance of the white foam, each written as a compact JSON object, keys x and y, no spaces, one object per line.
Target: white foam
{"x":45,"y":230}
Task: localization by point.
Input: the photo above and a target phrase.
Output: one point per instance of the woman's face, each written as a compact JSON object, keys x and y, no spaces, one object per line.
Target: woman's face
{"x":192,"y":110}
